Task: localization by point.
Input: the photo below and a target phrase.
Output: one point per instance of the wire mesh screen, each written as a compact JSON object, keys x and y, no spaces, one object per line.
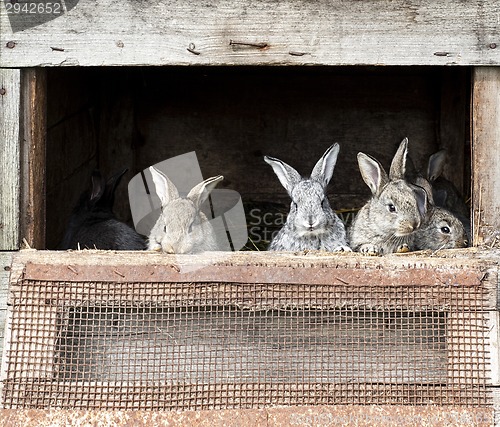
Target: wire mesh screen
{"x":159,"y":346}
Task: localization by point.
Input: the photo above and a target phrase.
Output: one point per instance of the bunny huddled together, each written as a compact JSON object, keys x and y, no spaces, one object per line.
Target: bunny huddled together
{"x":407,"y":211}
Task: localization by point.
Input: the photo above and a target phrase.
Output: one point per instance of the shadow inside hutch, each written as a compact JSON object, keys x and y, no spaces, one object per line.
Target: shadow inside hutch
{"x":231,"y":117}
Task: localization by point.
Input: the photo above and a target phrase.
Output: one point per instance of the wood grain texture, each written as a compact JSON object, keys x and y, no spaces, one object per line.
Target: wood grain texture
{"x":10,"y":140}
{"x":34,"y":105}
{"x":494,"y":346}
{"x":166,"y":32}
{"x":486,"y":156}
{"x":5,"y":265}
{"x":358,"y":415}
{"x":232,"y":268}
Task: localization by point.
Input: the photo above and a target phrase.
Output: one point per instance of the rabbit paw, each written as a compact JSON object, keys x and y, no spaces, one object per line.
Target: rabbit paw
{"x":342,"y":248}
{"x":403,"y":249}
{"x":154,"y":247}
{"x":369,"y":249}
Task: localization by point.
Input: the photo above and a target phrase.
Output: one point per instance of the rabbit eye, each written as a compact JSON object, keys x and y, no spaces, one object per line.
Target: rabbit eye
{"x":391,"y":207}
{"x":445,"y":230}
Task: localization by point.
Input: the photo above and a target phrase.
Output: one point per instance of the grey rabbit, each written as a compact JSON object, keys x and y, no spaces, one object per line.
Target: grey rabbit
{"x":93,"y":225}
{"x":311,"y":223}
{"x":440,"y":230}
{"x":396,"y":209}
{"x":445,"y":194}
{"x":182,"y":227}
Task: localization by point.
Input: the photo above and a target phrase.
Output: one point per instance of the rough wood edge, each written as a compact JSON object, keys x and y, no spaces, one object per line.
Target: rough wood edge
{"x":486,"y":156}
{"x":362,"y":416}
{"x":5,"y":265}
{"x":10,"y":138}
{"x":494,"y":346}
{"x":330,"y":33}
{"x":34,"y":97}
{"x":496,"y":405}
{"x":454,"y":258}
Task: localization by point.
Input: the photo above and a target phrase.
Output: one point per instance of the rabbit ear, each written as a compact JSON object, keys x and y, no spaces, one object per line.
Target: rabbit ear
{"x":440,"y":197}
{"x":323,"y":169}
{"x":287,"y":175}
{"x":165,"y":189}
{"x":435,"y":165}
{"x":108,"y":197}
{"x":199,"y":193}
{"x":398,"y":164}
{"x":421,"y":196}
{"x":372,"y":172}
{"x":97,"y":187}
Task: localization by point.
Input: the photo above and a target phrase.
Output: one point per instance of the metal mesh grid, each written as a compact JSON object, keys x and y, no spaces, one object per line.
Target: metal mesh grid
{"x":213,"y":346}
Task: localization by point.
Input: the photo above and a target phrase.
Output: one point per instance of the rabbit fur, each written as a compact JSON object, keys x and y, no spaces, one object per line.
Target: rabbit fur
{"x":93,"y":225}
{"x":396,"y":209}
{"x":182,"y":228}
{"x":445,"y":194}
{"x":311,"y":223}
{"x":440,"y":230}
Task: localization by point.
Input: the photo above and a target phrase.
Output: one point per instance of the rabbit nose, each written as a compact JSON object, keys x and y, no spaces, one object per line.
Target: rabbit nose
{"x":312,"y":223}
{"x":407,"y":228}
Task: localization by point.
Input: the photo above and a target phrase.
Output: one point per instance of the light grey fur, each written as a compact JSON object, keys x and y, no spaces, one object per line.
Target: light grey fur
{"x":311,"y":223}
{"x":182,"y":227}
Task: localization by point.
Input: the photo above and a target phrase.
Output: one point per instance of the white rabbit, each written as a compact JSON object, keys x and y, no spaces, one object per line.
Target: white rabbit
{"x":311,"y":223}
{"x":182,"y":227}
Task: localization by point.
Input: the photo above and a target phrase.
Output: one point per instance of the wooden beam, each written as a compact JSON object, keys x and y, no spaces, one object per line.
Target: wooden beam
{"x":359,"y":415}
{"x":5,"y":265}
{"x":34,"y":99}
{"x":486,"y":156}
{"x":260,"y":32}
{"x":10,"y":136}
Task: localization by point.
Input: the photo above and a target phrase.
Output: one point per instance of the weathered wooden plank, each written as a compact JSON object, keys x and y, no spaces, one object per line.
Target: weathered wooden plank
{"x":166,"y":32}
{"x":34,"y":99}
{"x":474,"y":258}
{"x":486,"y":156}
{"x":226,"y":270}
{"x":494,"y":346}
{"x":5,"y":266}
{"x":10,"y":154}
{"x":358,"y":415}
{"x":495,"y":391}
